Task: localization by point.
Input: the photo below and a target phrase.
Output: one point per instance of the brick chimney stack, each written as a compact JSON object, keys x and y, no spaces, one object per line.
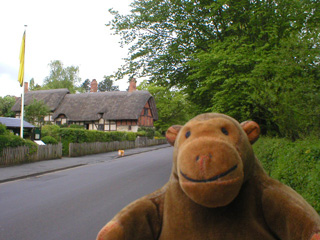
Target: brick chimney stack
{"x":26,"y":87}
{"x":132,"y":86}
{"x":94,"y":86}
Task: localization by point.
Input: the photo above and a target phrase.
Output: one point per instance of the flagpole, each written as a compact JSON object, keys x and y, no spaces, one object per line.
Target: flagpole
{"x":22,"y":84}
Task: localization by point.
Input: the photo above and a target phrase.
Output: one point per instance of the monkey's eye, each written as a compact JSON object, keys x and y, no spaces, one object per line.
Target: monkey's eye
{"x":224,"y":131}
{"x":188,"y":134}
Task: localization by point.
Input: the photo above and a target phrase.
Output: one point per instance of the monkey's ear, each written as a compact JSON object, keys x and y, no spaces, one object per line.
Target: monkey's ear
{"x":252,"y":130}
{"x":172,"y":133}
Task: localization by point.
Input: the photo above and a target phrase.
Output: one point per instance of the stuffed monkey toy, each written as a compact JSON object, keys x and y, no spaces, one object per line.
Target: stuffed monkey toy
{"x":217,"y":190}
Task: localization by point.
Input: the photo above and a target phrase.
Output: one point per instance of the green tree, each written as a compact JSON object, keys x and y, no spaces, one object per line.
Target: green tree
{"x":107,"y":85}
{"x":33,"y":86}
{"x":6,"y":104}
{"x":36,"y":111}
{"x":250,"y":59}
{"x":172,"y":105}
{"x":62,"y":77}
{"x":85,"y":86}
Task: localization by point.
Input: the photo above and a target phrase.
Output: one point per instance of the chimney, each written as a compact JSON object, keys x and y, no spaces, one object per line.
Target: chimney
{"x":26,"y":87}
{"x":94,"y":86}
{"x":132,"y":86}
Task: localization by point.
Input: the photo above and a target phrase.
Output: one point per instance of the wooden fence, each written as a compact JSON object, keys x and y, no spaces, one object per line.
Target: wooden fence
{"x":18,"y":155}
{"x":81,"y":149}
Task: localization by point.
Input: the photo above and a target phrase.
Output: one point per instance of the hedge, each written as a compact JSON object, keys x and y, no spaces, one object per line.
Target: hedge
{"x":49,"y":140}
{"x":11,"y":141}
{"x":296,"y":164}
{"x":74,"y":135}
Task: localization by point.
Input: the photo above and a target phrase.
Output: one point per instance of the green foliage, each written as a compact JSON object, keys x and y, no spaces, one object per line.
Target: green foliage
{"x":51,"y":130}
{"x":254,"y":60}
{"x":3,"y":130}
{"x":296,"y":164}
{"x":49,"y":140}
{"x":33,"y":86}
{"x":36,"y":111}
{"x":6,"y":103}
{"x":62,"y":77}
{"x":73,"y":135}
{"x":33,"y":147}
{"x":85,"y":86}
{"x":107,"y":85}
{"x":76,"y":126}
{"x":11,"y":140}
{"x":147,"y":131}
{"x":172,"y":106}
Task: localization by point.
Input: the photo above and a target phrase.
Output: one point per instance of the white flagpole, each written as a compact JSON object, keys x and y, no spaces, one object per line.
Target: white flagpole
{"x":22,"y":112}
{"x":22,"y":95}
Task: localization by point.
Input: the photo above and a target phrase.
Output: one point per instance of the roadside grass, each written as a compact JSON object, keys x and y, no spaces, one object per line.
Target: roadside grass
{"x":296,"y":164}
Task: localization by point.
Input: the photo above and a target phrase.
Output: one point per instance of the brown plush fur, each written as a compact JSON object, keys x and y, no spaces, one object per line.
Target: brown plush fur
{"x":217,"y":190}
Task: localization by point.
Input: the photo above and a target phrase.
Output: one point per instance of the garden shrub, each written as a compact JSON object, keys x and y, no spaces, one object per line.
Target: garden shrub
{"x":150,"y":131}
{"x":75,"y":135}
{"x":33,"y":147}
{"x":51,"y":130}
{"x":296,"y":164}
{"x":49,"y":140}
{"x":76,"y":126}
{"x":3,"y":129}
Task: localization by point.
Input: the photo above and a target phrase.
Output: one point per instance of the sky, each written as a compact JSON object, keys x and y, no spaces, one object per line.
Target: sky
{"x":72,"y":31}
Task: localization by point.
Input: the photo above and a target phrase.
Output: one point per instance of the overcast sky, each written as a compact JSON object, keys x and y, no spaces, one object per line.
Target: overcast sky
{"x":72,"y":31}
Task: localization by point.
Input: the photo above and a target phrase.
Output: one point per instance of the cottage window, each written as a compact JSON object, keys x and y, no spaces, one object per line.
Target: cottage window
{"x":58,"y":123}
{"x":146,"y":112}
{"x":101,"y":127}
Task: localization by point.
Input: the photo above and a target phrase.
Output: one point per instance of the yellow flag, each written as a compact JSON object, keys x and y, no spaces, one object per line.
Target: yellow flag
{"x":21,"y":69}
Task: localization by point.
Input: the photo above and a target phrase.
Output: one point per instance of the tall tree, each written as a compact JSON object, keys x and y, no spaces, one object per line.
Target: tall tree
{"x":248,"y":59}
{"x":107,"y":85}
{"x":6,"y":104}
{"x":62,"y":77}
{"x":172,"y":105}
{"x":36,"y":111}
{"x":85,"y":86}
{"x":33,"y":86}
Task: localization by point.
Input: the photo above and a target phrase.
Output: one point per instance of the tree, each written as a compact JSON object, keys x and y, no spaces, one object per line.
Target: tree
{"x":107,"y":85}
{"x":36,"y":111}
{"x":62,"y":77}
{"x":249,"y":59}
{"x":85,"y":86}
{"x":172,"y":105}
{"x":6,"y":104}
{"x":33,"y":86}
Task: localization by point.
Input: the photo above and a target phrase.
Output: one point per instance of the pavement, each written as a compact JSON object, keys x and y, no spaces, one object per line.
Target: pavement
{"x":12,"y":173}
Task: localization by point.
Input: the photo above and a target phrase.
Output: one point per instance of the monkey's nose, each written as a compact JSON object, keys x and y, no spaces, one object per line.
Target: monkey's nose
{"x":204,"y":157}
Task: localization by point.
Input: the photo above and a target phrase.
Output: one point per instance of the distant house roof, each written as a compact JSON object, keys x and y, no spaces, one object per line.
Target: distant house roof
{"x":14,"y":122}
{"x":108,"y":105}
{"x":52,"y":98}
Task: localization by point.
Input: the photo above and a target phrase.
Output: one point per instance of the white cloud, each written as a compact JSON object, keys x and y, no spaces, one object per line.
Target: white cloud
{"x":72,"y":31}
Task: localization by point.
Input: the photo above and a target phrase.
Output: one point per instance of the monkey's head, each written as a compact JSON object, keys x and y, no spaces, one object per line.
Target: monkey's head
{"x":213,"y":157}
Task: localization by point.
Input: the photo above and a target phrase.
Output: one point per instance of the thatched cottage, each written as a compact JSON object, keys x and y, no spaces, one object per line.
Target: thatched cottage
{"x":104,"y":111}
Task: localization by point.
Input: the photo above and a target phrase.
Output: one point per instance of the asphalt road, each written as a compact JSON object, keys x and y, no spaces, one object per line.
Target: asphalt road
{"x":75,"y":204}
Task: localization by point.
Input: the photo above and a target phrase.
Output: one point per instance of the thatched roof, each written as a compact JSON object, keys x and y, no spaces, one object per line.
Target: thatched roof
{"x":52,"y":98}
{"x":109,"y":105}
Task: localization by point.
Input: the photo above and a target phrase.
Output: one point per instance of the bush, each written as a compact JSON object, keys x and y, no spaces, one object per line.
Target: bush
{"x":49,"y":140}
{"x":10,"y":140}
{"x":3,"y":129}
{"x":51,"y":130}
{"x":296,"y":164}
{"x":150,"y":131}
{"x":75,"y":135}
{"x":76,"y":126}
{"x":33,"y":147}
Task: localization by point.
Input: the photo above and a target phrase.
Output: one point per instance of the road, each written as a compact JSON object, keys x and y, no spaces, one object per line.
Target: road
{"x":75,"y":204}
